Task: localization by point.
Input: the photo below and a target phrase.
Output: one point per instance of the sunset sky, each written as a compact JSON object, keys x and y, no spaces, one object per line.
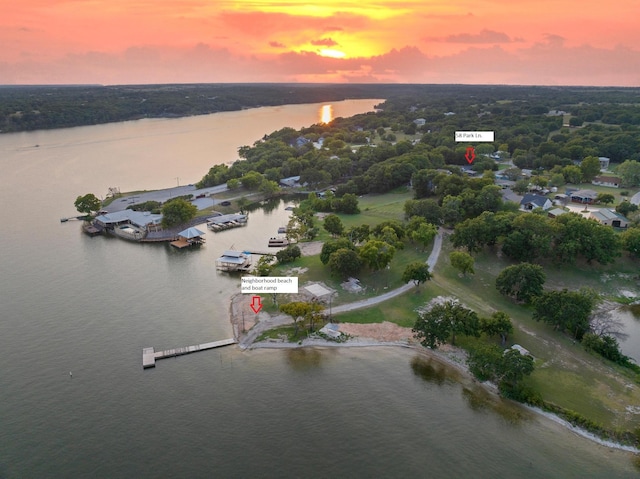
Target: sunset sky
{"x":409,"y":41}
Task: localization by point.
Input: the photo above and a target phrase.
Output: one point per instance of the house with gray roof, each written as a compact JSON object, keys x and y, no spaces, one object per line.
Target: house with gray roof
{"x":609,"y":217}
{"x":141,"y":219}
{"x":532,"y":201}
{"x":585,"y":197}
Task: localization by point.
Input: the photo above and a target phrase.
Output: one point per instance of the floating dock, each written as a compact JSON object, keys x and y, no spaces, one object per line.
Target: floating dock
{"x":149,"y":355}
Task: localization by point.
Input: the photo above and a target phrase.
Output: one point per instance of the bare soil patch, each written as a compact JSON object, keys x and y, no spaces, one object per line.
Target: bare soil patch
{"x":311,"y":248}
{"x":384,"y":331}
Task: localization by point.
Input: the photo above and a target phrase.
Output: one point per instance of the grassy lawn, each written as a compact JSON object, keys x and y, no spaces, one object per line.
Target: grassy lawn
{"x":565,"y":373}
{"x":375,"y":209}
{"x":374,"y":282}
{"x":400,"y":310}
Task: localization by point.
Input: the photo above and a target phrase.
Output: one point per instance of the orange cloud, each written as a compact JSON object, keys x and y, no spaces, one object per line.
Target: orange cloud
{"x":150,"y":41}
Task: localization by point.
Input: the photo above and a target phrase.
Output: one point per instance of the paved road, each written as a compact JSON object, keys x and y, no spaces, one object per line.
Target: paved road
{"x":635,"y":199}
{"x":163,"y":195}
{"x":269,"y":322}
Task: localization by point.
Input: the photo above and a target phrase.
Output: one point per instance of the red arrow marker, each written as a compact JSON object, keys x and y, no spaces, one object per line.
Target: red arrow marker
{"x":256,"y":304}
{"x":470,"y":155}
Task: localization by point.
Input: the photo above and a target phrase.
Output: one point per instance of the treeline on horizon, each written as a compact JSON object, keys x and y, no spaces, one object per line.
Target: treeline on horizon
{"x":25,"y":108}
{"x":416,"y":132}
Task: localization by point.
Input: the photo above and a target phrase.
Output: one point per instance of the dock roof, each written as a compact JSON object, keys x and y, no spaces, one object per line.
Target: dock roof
{"x":227,"y":218}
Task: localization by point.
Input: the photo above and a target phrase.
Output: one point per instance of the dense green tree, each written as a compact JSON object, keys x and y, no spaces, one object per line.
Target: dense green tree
{"x":358,"y":234}
{"x":301,"y":223}
{"x":330,"y":247}
{"x":264,"y":265}
{"x":625,"y":207}
{"x":605,"y":198}
{"x":347,"y":204}
{"x":377,"y":254}
{"x":575,"y":235}
{"x":417,"y":272}
{"x":268,"y":187}
{"x":506,"y":368}
{"x":512,"y":174}
{"x":629,"y":171}
{"x":514,"y":367}
{"x":424,"y":234}
{"x":252,"y":180}
{"x":288,"y":254}
{"x":498,"y":324}
{"x":531,"y":238}
{"x":432,"y":327}
{"x":448,"y":319}
{"x":607,"y":346}
{"x":452,"y":210}
{"x":475,"y":233}
{"x":389,"y":236}
{"x":565,"y":310}
{"x":423,"y":183}
{"x":488,"y":199}
{"x":590,"y":168}
{"x":484,"y":361}
{"x":333,"y":225}
{"x":521,"y":187}
{"x":522,"y":281}
{"x":177,"y":212}
{"x":87,"y":204}
{"x":631,"y":241}
{"x":572,"y":174}
{"x":462,"y":261}
{"x":398,"y":228}
{"x":297,"y":310}
{"x":427,"y":209}
{"x":557,"y":180}
{"x":345,"y":262}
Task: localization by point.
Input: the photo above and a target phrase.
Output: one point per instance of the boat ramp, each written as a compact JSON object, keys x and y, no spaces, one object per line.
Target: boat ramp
{"x":149,"y":355}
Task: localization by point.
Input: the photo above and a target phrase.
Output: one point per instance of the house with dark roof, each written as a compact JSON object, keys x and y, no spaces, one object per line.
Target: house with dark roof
{"x":585,"y":197}
{"x":531,"y":201}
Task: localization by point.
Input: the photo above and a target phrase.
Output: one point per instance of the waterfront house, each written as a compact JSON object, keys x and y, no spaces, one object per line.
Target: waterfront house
{"x":129,"y":224}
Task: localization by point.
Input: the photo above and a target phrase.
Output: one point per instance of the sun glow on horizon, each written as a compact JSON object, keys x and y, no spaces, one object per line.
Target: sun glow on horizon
{"x":332,"y":53}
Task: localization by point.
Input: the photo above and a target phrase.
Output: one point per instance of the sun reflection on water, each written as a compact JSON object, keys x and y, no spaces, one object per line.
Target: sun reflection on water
{"x":326,"y":113}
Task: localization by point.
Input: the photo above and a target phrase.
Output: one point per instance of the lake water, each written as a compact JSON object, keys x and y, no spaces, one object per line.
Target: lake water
{"x":89,"y":305}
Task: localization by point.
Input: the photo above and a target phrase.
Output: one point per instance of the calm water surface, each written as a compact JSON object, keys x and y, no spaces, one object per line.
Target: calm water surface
{"x":89,"y":305}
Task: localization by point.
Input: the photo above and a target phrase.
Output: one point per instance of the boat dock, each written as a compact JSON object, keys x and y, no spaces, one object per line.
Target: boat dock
{"x":225,"y":222}
{"x":149,"y":355}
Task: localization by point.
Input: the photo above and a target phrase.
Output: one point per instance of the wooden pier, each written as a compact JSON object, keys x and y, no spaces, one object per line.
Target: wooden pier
{"x":149,"y":355}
